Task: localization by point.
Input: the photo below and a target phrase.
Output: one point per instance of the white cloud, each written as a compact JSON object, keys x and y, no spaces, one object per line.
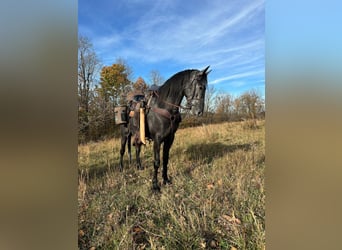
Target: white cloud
{"x":237,"y":84}
{"x":107,"y":41}
{"x":236,"y":76}
{"x":227,"y":36}
{"x":201,"y":37}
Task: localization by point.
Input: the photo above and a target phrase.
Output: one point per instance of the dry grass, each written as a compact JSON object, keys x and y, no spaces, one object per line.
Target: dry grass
{"x":216,"y":201}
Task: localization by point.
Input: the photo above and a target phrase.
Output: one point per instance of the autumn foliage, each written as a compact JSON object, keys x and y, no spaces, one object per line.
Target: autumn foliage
{"x":113,"y":81}
{"x":102,"y":88}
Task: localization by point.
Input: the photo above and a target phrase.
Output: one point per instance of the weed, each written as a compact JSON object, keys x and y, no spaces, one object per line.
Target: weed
{"x":216,"y":201}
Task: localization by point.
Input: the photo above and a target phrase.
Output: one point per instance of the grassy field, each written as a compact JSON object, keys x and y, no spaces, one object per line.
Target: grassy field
{"x":216,"y":201}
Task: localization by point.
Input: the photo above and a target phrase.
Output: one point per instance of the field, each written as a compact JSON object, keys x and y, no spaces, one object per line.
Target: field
{"x":216,"y":200}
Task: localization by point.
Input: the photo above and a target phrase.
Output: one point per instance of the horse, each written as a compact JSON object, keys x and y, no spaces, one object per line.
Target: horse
{"x":163,"y":117}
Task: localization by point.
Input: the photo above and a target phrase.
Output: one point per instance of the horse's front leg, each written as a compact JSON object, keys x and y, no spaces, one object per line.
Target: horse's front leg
{"x":156,"y":150}
{"x":166,"y":150}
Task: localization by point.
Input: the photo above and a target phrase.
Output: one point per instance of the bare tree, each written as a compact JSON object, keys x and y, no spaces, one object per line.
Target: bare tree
{"x":88,"y":66}
{"x":223,"y":106}
{"x":156,"y":78}
{"x":209,"y":105}
{"x":251,"y":104}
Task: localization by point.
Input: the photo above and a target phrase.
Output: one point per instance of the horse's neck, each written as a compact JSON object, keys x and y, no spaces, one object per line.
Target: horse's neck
{"x":169,"y":95}
{"x":172,"y":93}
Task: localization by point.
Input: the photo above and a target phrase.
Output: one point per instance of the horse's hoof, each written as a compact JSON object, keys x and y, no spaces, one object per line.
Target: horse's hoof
{"x":140,"y":167}
{"x":167,"y":181}
{"x":155,"y":187}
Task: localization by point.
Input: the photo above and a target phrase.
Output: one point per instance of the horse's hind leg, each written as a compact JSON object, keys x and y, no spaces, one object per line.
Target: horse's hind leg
{"x":129,"y":148}
{"x":166,"y":151}
{"x":137,"y":155}
{"x":122,"y":150}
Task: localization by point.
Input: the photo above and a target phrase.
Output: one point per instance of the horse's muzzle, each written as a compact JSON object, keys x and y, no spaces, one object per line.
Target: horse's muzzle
{"x":197,"y":112}
{"x":197,"y":107}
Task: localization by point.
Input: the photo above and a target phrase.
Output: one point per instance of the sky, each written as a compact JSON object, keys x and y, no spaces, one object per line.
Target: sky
{"x":169,"y":36}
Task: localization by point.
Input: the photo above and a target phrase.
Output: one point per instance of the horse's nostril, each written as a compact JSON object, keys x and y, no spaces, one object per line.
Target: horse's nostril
{"x":199,"y":113}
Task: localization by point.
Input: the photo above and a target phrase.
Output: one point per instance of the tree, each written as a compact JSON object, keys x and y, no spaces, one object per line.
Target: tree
{"x":128,"y":69}
{"x":209,"y":99}
{"x":156,"y":78}
{"x":238,"y":107}
{"x":140,"y":85}
{"x":114,"y":82}
{"x":100,"y":116}
{"x":114,"y":86}
{"x":224,"y":104}
{"x":88,"y":66}
{"x":251,"y":104}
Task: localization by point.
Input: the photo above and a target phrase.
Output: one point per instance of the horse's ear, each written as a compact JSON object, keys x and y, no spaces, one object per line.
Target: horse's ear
{"x":205,"y":70}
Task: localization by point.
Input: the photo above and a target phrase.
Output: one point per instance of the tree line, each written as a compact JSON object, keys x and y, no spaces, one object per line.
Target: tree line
{"x":98,"y":97}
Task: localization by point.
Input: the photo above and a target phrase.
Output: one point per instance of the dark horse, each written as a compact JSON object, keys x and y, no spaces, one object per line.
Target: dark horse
{"x":163,"y":116}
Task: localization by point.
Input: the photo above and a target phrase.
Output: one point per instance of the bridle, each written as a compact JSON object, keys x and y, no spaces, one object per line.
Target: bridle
{"x":173,"y":115}
{"x":188,"y":99}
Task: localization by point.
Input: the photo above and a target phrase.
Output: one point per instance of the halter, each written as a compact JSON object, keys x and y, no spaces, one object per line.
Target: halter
{"x":166,"y":113}
{"x":189,"y":100}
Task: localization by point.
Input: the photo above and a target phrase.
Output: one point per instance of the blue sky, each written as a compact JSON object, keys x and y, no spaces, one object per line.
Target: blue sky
{"x":173,"y":35}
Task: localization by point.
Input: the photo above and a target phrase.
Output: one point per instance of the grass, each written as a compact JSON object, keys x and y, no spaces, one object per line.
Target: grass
{"x":216,"y":201}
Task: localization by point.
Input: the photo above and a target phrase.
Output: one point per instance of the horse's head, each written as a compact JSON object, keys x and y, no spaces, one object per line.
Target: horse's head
{"x":195,"y":91}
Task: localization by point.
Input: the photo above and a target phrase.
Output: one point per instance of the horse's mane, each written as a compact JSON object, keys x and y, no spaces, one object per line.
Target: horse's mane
{"x":175,"y":83}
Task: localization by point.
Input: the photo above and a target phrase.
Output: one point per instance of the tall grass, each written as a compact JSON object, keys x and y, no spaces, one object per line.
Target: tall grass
{"x":216,"y":201}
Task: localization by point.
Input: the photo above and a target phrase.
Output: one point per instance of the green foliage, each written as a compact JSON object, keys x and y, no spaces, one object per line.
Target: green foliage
{"x":113,"y":81}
